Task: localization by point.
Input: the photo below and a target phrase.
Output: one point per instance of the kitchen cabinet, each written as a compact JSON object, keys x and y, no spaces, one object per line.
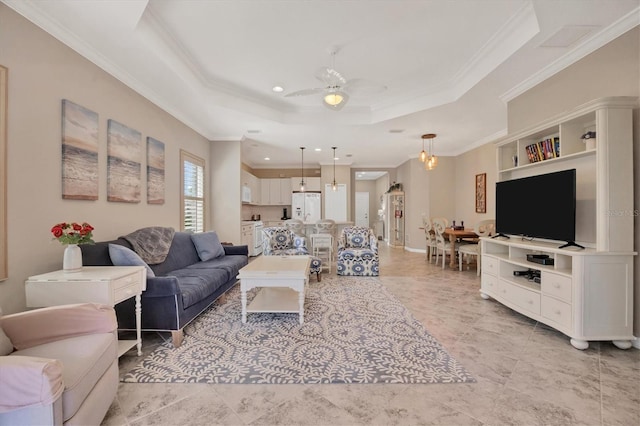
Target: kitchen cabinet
{"x":247,"y":235}
{"x":275,"y":192}
{"x":253,"y":183}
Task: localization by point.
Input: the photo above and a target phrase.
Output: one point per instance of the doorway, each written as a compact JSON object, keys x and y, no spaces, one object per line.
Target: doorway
{"x":362,"y":209}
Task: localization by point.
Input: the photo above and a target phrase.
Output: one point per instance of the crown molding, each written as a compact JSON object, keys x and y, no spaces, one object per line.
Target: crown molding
{"x":613,"y":31}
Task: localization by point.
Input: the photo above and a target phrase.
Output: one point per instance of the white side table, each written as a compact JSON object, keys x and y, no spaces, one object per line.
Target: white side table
{"x":107,"y":285}
{"x":322,"y":247}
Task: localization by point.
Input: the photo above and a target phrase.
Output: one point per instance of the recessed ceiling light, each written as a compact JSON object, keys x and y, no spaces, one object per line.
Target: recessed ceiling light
{"x":267,"y":158}
{"x":277,"y":89}
{"x":336,"y":158}
{"x":349,"y":155}
{"x":253,"y":131}
{"x":396,"y":130}
{"x":318,"y":149}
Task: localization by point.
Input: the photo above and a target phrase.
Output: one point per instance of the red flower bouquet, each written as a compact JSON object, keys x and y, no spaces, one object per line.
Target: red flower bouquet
{"x":73,"y":233}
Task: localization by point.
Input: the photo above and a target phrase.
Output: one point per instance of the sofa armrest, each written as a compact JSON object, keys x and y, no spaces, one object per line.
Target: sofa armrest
{"x":29,"y":381}
{"x":33,"y":328}
{"x":162,"y":286}
{"x":236,"y":250}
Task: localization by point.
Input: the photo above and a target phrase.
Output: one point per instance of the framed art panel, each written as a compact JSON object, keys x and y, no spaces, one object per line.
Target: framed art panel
{"x":79,"y":152}
{"x":155,"y":171}
{"x":124,"y":154}
{"x":481,"y":193}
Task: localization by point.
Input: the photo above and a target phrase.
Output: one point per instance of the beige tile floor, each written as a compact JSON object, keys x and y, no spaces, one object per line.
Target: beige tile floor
{"x":527,"y":373}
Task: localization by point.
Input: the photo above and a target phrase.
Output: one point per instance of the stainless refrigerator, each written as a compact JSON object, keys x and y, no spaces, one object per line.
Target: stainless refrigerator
{"x":306,"y":206}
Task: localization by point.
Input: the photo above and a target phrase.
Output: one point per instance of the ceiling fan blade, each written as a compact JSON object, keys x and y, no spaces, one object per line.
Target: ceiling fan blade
{"x":330,"y":77}
{"x":305,"y":92}
{"x":362,"y":87}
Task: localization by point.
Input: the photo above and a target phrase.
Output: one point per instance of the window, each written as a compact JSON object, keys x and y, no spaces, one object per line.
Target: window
{"x":192,"y":196}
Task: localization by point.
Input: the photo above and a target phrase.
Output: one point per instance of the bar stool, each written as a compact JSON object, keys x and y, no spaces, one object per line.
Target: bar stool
{"x":327,"y":226}
{"x":322,"y":246}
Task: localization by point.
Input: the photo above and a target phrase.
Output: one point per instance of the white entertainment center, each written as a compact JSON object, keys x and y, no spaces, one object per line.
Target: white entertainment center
{"x":586,"y":294}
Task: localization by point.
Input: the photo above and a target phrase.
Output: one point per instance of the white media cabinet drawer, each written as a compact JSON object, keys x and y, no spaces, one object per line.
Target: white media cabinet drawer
{"x":556,"y":285}
{"x":557,"y":311}
{"x":490,"y":265}
{"x":489,"y":283}
{"x":525,"y":299}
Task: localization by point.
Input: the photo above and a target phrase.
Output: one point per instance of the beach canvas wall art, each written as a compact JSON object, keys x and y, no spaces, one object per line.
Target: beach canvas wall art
{"x":155,"y":171}
{"x":79,"y":152}
{"x":124,"y":155}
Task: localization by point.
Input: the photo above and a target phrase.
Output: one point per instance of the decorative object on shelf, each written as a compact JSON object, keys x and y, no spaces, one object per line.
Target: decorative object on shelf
{"x":334,"y":184}
{"x":79,"y":152}
{"x":302,"y":169}
{"x":124,"y":154}
{"x":589,"y":140}
{"x":423,"y":154}
{"x":431,"y":160}
{"x":155,"y":171}
{"x":395,"y":187}
{"x":481,"y":193}
{"x":72,"y":234}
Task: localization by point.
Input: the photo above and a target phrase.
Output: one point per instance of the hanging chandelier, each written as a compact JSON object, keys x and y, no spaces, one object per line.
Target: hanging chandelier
{"x":302,"y":169}
{"x":431,"y":161}
{"x":334,"y":184}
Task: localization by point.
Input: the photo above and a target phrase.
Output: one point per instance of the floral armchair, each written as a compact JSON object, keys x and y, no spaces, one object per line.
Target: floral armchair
{"x":358,"y":252}
{"x":280,"y":241}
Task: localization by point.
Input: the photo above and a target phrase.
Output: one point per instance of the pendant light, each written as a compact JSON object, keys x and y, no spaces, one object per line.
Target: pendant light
{"x":302,"y":169}
{"x":334,"y":185}
{"x":423,"y":153}
{"x":431,"y":160}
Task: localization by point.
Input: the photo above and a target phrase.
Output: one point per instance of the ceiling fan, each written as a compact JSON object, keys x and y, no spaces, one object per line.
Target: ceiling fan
{"x":337,"y":89}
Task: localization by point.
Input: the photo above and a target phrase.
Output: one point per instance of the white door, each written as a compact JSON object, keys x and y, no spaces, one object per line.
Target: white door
{"x":362,"y":209}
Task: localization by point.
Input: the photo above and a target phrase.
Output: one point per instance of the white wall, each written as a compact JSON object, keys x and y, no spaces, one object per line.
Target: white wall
{"x":42,"y":72}
{"x":225,"y":201}
{"x":468,"y":165}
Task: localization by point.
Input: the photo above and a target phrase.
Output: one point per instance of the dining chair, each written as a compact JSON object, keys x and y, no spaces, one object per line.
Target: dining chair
{"x":430,"y":237}
{"x":443,"y":247}
{"x":484,"y":228}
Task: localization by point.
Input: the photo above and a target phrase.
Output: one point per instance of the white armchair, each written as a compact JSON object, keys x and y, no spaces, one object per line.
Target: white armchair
{"x":63,"y":367}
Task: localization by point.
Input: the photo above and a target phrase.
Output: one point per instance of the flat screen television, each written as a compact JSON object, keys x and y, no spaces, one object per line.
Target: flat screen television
{"x":541,"y":206}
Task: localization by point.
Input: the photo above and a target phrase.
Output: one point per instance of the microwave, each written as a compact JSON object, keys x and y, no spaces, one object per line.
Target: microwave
{"x":246,"y":194}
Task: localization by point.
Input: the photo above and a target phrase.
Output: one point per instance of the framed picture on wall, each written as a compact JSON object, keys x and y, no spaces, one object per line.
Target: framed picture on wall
{"x":481,"y":193}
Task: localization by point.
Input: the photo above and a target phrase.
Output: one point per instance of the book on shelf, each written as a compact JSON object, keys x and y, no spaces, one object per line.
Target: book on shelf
{"x":543,"y":150}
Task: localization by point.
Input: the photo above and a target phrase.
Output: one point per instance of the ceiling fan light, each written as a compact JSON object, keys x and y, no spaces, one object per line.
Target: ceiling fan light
{"x":333,"y":99}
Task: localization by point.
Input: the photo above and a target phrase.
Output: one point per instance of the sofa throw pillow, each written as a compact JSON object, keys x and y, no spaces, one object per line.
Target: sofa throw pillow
{"x":208,"y":245}
{"x":123,"y":256}
{"x":6,"y":347}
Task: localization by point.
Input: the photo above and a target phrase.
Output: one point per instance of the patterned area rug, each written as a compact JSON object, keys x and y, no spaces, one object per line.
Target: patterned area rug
{"x":355,"y":331}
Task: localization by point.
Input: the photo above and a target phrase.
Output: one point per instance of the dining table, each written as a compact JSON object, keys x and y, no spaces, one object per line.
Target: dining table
{"x":455,"y":235}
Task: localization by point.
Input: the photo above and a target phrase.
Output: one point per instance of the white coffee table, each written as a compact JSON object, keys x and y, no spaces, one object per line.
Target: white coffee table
{"x":282,"y":280}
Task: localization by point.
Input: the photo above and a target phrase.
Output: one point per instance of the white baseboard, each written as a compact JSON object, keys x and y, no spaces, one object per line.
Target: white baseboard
{"x":636,"y":343}
{"x":415,"y":250}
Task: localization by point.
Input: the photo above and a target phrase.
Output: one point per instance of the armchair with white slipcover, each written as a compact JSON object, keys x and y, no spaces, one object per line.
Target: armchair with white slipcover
{"x":59,"y":365}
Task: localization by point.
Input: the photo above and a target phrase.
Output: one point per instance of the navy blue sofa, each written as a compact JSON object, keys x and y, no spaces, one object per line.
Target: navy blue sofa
{"x":184,"y":286}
